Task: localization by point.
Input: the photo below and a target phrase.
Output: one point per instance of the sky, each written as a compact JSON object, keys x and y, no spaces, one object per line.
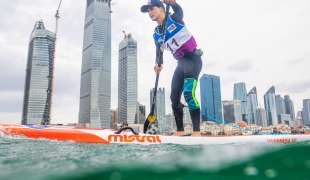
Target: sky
{"x":262,"y":43}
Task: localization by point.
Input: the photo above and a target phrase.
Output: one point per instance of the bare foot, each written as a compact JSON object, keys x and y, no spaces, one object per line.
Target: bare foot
{"x":196,"y":133}
{"x":178,"y":133}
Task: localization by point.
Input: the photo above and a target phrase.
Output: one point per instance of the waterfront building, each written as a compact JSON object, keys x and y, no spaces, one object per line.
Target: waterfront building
{"x":95,"y":89}
{"x":306,"y":112}
{"x":280,"y":105}
{"x":289,"y":106}
{"x":298,"y":119}
{"x":141,"y":114}
{"x":127,"y":80}
{"x":251,"y":105}
{"x":285,"y":119}
{"x":270,"y":107}
{"x":240,"y":93}
{"x":260,"y":115}
{"x":211,"y":101}
{"x":160,"y":107}
{"x":232,"y":111}
{"x":38,"y":88}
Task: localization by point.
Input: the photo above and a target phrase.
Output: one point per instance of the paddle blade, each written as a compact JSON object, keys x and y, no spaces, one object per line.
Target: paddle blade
{"x":150,"y":125}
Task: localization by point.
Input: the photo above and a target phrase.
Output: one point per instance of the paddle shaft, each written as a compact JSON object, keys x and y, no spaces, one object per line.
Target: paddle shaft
{"x":160,"y":59}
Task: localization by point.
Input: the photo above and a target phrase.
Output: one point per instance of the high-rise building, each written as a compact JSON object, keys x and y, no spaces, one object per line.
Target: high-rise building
{"x":211,"y":100}
{"x":260,"y":115}
{"x":280,"y":105}
{"x":240,"y":94}
{"x":270,"y":107}
{"x":298,"y":119}
{"x":37,"y":100}
{"x":289,"y":106}
{"x":232,"y":111}
{"x":285,"y":119}
{"x":95,"y":89}
{"x":306,"y":112}
{"x":160,"y":107}
{"x":141,"y":114}
{"x":251,"y":106}
{"x":127,"y":80}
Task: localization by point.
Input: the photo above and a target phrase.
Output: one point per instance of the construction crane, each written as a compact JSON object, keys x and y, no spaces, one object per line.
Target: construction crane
{"x":111,"y":6}
{"x":53,"y":62}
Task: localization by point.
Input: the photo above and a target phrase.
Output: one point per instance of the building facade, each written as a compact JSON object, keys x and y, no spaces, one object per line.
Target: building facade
{"x":160,"y":107}
{"x":127,"y":80}
{"x":95,"y":89}
{"x":306,"y":112}
{"x":270,"y":107}
{"x":280,"y":105}
{"x":240,"y":93}
{"x":260,"y":115}
{"x":232,"y":111}
{"x":251,"y":105}
{"x":211,"y":100}
{"x":38,"y":89}
{"x":289,"y":106}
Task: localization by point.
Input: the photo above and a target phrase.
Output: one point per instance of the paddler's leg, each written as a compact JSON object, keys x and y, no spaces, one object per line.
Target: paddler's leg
{"x":175,"y":97}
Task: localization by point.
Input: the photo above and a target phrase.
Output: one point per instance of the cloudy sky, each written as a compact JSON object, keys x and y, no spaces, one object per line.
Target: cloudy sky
{"x":263,"y":43}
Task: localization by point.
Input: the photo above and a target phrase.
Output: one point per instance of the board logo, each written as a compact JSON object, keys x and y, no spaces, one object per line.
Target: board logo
{"x":282,"y":140}
{"x":133,"y":138}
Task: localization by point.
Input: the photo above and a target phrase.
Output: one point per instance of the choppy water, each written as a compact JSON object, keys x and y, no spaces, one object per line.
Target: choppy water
{"x":50,"y":160}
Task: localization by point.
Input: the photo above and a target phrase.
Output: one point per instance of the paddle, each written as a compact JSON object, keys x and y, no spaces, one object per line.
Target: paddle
{"x":151,"y":124}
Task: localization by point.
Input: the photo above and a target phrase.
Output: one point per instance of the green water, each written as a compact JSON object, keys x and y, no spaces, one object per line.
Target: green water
{"x":42,"y":159}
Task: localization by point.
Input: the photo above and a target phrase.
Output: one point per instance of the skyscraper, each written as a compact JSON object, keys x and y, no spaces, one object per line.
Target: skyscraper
{"x":160,"y":107}
{"x":127,"y":80}
{"x":270,"y":107}
{"x":280,"y":105}
{"x":260,"y":115}
{"x":95,"y":90}
{"x":306,"y":112}
{"x":289,"y":106}
{"x":251,"y":106}
{"x":232,"y":111}
{"x":211,"y":100}
{"x":39,"y":76}
{"x":240,"y":94}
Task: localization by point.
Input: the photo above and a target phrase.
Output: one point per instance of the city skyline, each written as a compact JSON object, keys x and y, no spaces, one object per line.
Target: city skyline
{"x":237,"y":46}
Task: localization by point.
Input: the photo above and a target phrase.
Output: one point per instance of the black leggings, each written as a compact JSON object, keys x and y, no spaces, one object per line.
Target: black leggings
{"x":188,"y":67}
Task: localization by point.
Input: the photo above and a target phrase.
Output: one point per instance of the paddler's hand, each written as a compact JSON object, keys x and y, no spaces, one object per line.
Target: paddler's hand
{"x":171,"y":2}
{"x":158,"y":69}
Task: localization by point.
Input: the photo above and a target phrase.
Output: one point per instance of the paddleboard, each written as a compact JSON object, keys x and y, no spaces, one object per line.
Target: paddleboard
{"x":109,"y":136}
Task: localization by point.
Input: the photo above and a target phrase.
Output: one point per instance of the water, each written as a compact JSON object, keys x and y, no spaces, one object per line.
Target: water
{"x":25,"y":159}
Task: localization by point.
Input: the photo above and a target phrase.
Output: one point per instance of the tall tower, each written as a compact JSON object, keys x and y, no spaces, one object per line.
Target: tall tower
{"x":95,"y":90}
{"x":39,"y":76}
{"x":211,"y":100}
{"x":232,"y":111}
{"x":260,"y":114}
{"x":240,"y":94}
{"x":289,"y":106}
{"x":251,"y":106}
{"x":127,"y":80}
{"x":306,"y":112}
{"x":270,"y":107}
{"x":280,"y":105}
{"x":160,"y":107}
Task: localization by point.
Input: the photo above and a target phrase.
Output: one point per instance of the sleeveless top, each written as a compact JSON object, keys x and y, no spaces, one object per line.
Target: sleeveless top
{"x":178,"y":39}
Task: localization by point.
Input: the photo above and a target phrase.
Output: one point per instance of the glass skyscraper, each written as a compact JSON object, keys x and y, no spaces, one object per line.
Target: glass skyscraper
{"x":306,"y":112}
{"x":211,"y":100}
{"x":127,"y":80}
{"x":232,"y":111}
{"x":95,"y":90}
{"x":270,"y":107}
{"x":160,"y":107}
{"x":280,"y":105}
{"x":251,"y":106}
{"x":39,"y":76}
{"x":289,"y":106}
{"x":260,"y":115}
{"x":240,"y":94}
